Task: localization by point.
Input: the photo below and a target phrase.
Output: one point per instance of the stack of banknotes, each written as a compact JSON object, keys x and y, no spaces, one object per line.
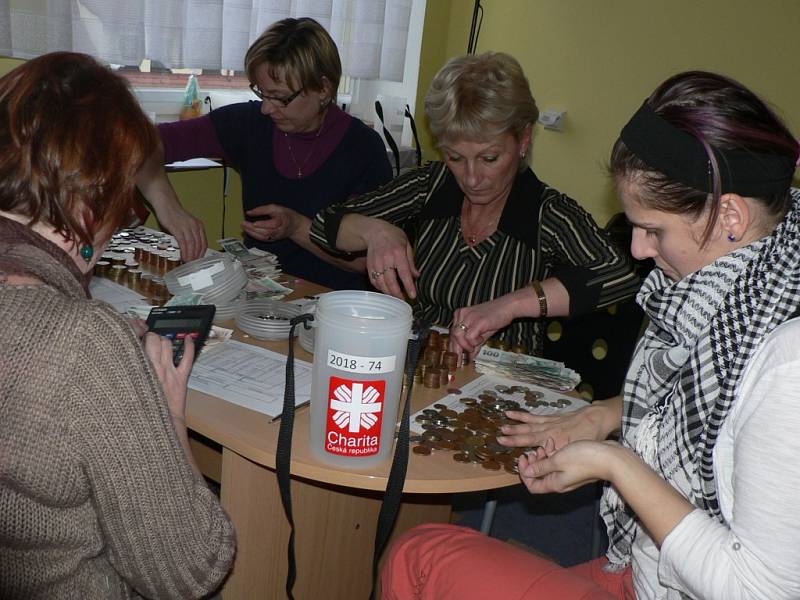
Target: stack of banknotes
{"x":526,"y":369}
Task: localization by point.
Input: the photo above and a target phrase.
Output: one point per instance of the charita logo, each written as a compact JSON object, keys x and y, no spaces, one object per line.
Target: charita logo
{"x":355,"y":411}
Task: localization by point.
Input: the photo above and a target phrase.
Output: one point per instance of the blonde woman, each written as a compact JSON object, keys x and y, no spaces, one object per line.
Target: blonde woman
{"x":478,"y":239}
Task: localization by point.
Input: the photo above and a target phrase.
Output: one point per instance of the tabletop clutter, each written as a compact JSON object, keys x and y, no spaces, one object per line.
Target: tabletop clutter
{"x":242,"y":284}
{"x":148,"y":262}
{"x":468,"y":425}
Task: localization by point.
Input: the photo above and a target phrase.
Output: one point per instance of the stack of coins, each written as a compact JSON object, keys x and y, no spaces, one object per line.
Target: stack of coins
{"x":117,"y":273}
{"x":138,"y":259}
{"x":102,"y":268}
{"x":436,"y":367}
{"x":472,"y":433}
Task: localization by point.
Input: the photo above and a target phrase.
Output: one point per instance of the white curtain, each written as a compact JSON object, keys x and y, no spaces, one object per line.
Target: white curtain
{"x":207,"y":34}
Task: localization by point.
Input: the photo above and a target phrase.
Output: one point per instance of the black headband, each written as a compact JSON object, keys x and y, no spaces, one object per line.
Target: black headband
{"x":682,"y":157}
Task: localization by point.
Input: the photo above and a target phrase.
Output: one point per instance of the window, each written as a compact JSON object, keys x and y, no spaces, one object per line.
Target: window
{"x":379,"y":40}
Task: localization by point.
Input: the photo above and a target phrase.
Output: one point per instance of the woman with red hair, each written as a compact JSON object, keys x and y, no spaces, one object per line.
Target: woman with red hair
{"x":99,"y":494}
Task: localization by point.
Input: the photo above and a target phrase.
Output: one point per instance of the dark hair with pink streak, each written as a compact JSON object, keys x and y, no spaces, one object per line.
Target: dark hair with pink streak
{"x":721,"y":113}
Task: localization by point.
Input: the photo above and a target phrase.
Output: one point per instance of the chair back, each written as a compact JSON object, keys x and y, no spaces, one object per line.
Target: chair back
{"x":599,"y":345}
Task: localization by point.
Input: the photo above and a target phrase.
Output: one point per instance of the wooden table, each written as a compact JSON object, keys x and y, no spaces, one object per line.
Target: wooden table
{"x":335,"y":511}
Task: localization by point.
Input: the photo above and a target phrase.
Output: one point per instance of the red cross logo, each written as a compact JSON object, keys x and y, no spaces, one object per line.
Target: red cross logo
{"x":356,"y":406}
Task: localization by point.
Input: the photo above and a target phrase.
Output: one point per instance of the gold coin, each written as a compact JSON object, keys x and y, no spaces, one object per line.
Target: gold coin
{"x":423,"y":450}
{"x":460,"y":457}
{"x":448,"y":435}
{"x":474,"y":441}
{"x":491,"y":465}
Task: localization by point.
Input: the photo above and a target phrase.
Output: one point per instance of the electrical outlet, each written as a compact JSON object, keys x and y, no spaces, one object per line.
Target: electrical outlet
{"x":553,"y":119}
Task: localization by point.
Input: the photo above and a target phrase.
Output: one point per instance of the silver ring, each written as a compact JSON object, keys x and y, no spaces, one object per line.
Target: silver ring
{"x":462,"y":327}
{"x":376,"y":274}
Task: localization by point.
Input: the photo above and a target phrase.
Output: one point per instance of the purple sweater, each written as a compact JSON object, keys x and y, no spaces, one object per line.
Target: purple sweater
{"x":347,"y":159}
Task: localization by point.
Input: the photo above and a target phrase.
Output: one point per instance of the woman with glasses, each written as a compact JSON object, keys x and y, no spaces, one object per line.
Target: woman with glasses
{"x":295,"y":150}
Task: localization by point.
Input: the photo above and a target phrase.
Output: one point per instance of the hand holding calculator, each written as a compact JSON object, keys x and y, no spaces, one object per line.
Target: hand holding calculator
{"x":179,"y":322}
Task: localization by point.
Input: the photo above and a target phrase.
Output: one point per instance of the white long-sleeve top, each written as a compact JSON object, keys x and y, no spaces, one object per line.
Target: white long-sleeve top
{"x":755,"y":554}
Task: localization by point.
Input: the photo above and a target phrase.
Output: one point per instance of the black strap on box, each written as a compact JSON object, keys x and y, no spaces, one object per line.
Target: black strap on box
{"x":393,"y":496}
{"x":410,"y":118}
{"x":397,"y":474}
{"x":389,"y":137}
{"x":283,"y":453}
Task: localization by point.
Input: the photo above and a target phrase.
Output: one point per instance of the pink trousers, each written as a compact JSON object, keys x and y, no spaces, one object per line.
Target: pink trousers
{"x":438,"y":562}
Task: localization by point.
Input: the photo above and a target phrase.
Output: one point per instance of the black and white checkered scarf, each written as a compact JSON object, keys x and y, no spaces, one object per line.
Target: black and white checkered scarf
{"x":684,"y":375}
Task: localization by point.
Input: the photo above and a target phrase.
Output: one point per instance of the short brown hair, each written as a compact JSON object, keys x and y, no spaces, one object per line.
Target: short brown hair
{"x":72,"y":138}
{"x":298,"y":51}
{"x":476,"y":97}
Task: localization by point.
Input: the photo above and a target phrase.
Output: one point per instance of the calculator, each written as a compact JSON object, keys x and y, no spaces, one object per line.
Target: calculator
{"x":179,"y":322}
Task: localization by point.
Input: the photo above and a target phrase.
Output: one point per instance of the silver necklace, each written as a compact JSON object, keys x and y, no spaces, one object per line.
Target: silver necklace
{"x":301,"y":166}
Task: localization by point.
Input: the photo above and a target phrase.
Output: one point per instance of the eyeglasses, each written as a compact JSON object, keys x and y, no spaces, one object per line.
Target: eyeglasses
{"x":274,"y":99}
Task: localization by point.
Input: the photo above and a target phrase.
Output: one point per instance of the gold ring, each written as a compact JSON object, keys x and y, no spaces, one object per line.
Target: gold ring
{"x":376,"y":274}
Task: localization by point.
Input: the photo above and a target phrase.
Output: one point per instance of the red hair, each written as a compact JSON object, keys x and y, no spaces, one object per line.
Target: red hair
{"x":72,"y":138}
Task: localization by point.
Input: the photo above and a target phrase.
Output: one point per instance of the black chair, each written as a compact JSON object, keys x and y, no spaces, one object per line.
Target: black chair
{"x":598,"y":346}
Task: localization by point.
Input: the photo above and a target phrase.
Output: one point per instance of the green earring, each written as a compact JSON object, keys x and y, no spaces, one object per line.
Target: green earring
{"x":87,"y":252}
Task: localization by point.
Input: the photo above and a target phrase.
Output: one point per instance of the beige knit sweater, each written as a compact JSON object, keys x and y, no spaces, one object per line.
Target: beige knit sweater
{"x":97,"y":499}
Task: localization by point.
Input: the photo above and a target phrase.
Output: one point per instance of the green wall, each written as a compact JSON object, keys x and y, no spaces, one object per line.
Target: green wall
{"x":201,"y":192}
{"x":7,"y":63}
{"x":599,"y":59}
{"x":596,"y":59}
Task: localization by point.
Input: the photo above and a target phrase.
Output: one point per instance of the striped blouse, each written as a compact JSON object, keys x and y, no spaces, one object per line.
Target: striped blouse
{"x":542,"y":233}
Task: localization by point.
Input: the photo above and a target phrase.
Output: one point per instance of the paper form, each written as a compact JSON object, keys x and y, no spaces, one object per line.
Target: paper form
{"x":249,"y":376}
{"x":118,"y":296}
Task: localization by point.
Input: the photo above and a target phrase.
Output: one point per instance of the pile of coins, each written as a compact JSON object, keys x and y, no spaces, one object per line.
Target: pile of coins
{"x":472,"y":433}
{"x":436,"y":367}
{"x":138,"y":259}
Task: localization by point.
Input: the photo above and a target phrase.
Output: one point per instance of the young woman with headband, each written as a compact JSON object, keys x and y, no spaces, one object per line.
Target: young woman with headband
{"x":700,"y":452}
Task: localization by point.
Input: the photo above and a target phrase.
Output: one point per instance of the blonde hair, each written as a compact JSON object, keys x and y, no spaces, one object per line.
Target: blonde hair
{"x":477,"y":97}
{"x":298,"y":51}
